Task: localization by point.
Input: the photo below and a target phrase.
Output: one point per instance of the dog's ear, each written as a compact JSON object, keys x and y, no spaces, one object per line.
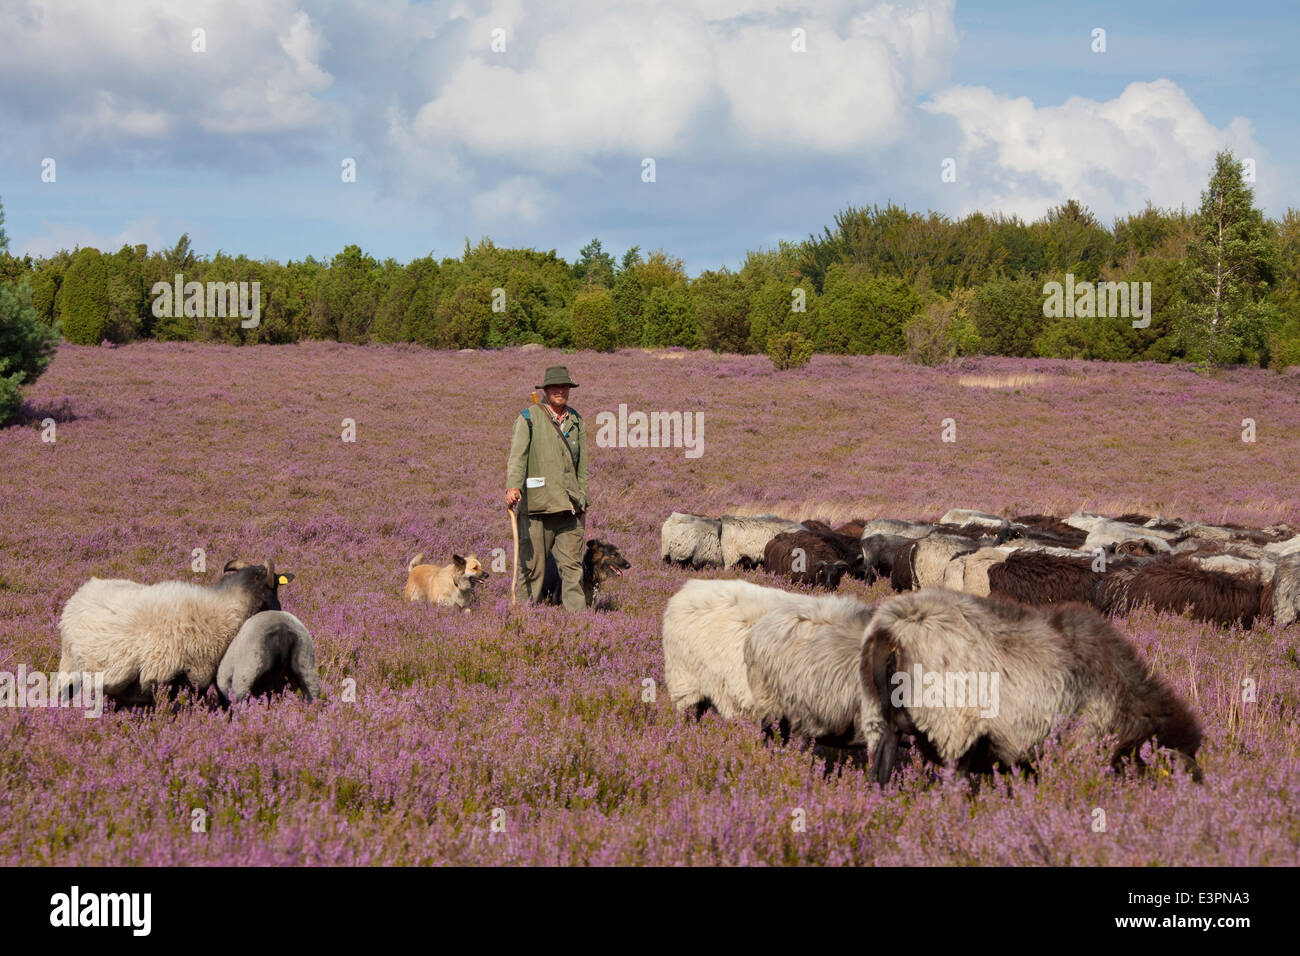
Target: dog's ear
{"x":591,"y":543}
{"x":457,"y":560}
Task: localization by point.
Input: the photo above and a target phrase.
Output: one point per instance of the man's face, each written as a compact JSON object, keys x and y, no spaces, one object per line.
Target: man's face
{"x":557,"y":395}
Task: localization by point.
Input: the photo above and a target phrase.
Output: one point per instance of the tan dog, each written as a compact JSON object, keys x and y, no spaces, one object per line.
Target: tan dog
{"x":450,"y":585}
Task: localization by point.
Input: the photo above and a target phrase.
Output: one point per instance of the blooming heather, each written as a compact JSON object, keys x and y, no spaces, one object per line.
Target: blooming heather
{"x":523,"y":736}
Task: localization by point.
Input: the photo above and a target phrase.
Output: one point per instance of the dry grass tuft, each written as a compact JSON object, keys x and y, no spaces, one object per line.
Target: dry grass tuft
{"x":1002,"y":381}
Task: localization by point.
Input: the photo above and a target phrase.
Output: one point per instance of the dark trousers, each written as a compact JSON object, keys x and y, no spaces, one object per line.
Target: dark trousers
{"x":560,"y":535}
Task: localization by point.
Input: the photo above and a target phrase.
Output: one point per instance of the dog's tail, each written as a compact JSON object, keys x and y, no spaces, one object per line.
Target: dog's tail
{"x":410,"y":565}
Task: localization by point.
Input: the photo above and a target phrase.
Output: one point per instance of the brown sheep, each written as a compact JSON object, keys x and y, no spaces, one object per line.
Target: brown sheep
{"x":824,"y":559}
{"x":1035,"y":577}
{"x":1051,"y":530}
{"x":1177,"y":584}
{"x":1037,"y":665}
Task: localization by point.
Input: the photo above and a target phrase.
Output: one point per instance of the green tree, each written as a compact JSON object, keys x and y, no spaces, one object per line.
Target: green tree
{"x":1230,"y":265}
{"x":26,"y":346}
{"x":1008,"y":315}
{"x":721,"y":310}
{"x":83,"y":298}
{"x":862,"y":315}
{"x":594,"y":266}
{"x":593,"y":320}
{"x":668,"y":318}
{"x":4,"y":239}
{"x":943,"y":330}
{"x":465,"y":316}
{"x":347,"y":297}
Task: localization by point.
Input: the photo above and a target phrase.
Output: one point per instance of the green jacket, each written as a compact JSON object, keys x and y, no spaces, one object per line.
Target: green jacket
{"x":542,"y":468}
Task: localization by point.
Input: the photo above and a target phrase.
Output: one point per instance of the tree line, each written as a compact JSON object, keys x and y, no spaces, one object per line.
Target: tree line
{"x":1224,"y":284}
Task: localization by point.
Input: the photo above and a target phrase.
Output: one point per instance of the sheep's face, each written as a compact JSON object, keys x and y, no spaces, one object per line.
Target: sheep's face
{"x":261,"y":581}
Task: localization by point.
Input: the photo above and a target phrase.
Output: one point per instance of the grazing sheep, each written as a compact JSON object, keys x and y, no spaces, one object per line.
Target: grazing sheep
{"x":1133,"y":517}
{"x":802,"y":664}
{"x":965,"y":518}
{"x":1114,"y":533}
{"x":881,"y":540}
{"x":852,"y":528}
{"x":969,"y":573}
{"x":1234,"y":564}
{"x":272,"y":651}
{"x":704,"y":630}
{"x":169,"y":634}
{"x":1176,"y":584}
{"x":1034,"y":665}
{"x":1051,"y":530}
{"x":745,"y":536}
{"x":904,"y":529}
{"x":1227,"y":533}
{"x":1285,"y":591}
{"x":691,"y":539}
{"x":931,"y":556}
{"x":1041,"y":577}
{"x":810,"y":557}
{"x":900,"y":570}
{"x":1281,"y":549}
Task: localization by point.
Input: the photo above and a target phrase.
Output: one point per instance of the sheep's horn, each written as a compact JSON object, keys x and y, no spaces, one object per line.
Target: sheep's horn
{"x":270,"y":573}
{"x":234,"y":564}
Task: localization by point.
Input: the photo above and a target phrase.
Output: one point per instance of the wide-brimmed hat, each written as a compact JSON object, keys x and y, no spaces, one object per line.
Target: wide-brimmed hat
{"x":557,"y":375}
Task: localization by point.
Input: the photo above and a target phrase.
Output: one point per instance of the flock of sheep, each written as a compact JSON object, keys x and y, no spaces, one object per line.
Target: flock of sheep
{"x":1221,"y":573}
{"x":990,"y":634}
{"x":989,"y":647}
{"x":178,"y":634}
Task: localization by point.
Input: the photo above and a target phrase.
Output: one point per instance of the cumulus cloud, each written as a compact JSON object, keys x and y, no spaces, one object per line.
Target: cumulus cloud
{"x":126,"y":76}
{"x":636,"y":81}
{"x":1149,"y":143}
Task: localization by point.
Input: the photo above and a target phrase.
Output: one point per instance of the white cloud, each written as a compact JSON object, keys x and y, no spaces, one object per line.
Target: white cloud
{"x":125,"y":75}
{"x":518,"y":200}
{"x":635,"y":81}
{"x":63,"y":236}
{"x":1149,"y":143}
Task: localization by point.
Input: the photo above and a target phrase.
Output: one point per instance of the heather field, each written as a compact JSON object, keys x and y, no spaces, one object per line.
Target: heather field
{"x":537,"y":719}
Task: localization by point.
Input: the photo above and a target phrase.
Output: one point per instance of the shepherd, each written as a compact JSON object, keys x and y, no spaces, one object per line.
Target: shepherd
{"x":546,"y":479}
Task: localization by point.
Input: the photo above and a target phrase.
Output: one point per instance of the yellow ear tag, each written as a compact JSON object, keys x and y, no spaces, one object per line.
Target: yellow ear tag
{"x":283,"y":579}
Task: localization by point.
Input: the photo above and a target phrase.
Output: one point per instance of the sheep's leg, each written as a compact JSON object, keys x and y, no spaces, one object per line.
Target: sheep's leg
{"x":886,"y":756}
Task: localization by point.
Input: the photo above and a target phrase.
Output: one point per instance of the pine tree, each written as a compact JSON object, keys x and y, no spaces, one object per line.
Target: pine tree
{"x":1230,"y":265}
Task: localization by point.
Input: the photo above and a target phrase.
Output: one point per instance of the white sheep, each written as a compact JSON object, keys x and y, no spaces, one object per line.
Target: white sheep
{"x":966,"y":518}
{"x":704,"y":630}
{"x":1286,"y":590}
{"x":924,"y":650}
{"x":146,"y":636}
{"x":932,"y":554}
{"x":802,"y":663}
{"x":273,"y":650}
{"x":744,"y":537}
{"x":691,"y":539}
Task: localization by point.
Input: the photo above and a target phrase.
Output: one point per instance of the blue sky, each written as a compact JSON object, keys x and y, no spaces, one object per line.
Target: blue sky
{"x":541,"y":144}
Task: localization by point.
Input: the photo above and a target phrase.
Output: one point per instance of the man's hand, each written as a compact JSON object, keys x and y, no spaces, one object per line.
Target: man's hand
{"x":513,"y":497}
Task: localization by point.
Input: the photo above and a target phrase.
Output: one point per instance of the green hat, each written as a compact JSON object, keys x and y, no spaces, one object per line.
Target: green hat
{"x":557,"y":375}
